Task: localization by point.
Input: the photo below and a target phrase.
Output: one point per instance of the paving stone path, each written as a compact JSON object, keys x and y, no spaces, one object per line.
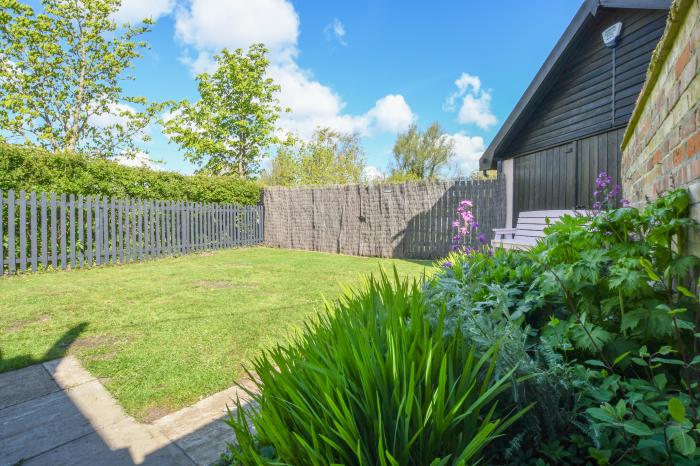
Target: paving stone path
{"x":56,"y":413}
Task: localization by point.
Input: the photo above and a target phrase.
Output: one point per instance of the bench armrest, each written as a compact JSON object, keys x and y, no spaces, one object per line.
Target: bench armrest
{"x":501,"y":233}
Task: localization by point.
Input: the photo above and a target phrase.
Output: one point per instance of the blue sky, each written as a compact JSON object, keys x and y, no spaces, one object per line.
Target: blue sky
{"x":369,"y":66}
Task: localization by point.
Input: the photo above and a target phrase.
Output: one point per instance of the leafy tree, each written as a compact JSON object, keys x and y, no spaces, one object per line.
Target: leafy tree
{"x":330,"y":157}
{"x":233,"y":123}
{"x":421,"y":154}
{"x":284,"y":169}
{"x":60,"y":78}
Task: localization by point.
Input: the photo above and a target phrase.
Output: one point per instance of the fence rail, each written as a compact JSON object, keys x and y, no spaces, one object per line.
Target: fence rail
{"x":46,"y":230}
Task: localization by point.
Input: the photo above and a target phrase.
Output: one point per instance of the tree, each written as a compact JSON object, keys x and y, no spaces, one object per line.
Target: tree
{"x":420,"y":155}
{"x":283,"y":169}
{"x":330,"y":157}
{"x":233,"y":123}
{"x":60,"y":78}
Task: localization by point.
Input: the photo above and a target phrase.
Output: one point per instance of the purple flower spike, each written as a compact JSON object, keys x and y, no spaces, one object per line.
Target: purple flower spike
{"x":447,"y":264}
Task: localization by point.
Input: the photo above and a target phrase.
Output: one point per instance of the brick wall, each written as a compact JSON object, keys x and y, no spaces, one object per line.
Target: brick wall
{"x":661,"y":147}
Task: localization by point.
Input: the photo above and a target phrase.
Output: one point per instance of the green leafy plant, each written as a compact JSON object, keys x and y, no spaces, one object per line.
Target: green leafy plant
{"x":373,"y":382}
{"x":232,"y":125}
{"x":491,"y":297}
{"x":629,"y":328}
{"x":33,"y":169}
{"x":609,"y":302}
{"x":62,"y":75}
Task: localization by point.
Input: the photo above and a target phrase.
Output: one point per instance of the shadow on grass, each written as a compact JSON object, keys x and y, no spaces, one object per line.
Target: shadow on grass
{"x":57,"y":350}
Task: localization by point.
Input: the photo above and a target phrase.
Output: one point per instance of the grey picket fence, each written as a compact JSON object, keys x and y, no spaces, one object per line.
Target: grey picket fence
{"x":68,"y":231}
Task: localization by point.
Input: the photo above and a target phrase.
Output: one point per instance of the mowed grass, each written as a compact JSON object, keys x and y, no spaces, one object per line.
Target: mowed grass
{"x":166,"y":333}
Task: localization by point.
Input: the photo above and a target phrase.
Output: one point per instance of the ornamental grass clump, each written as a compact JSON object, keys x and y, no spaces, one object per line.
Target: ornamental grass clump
{"x":372,"y":383}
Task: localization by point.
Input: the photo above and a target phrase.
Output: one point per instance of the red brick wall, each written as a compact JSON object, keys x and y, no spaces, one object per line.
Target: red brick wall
{"x":661,"y":148}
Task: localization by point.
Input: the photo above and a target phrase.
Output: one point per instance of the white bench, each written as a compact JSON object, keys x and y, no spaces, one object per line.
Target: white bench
{"x":528,"y":230}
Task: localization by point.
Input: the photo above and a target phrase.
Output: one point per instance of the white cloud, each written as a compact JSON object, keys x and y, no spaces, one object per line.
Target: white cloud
{"x":215,"y":24}
{"x":468,"y":150}
{"x":372,"y":173}
{"x":116,"y":114}
{"x":206,"y":26}
{"x":135,"y":11}
{"x":474,"y":102}
{"x":335,"y":29}
{"x":140,"y":160}
{"x":392,"y":114}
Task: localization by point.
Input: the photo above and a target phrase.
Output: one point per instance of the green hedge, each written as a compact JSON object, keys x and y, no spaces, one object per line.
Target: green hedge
{"x":31,"y":169}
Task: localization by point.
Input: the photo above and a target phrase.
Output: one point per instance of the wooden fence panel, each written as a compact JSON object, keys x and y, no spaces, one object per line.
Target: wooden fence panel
{"x":411,"y":220}
{"x":40,"y":230}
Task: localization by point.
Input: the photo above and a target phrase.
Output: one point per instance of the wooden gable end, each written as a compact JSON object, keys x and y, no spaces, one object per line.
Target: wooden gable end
{"x":577,"y":99}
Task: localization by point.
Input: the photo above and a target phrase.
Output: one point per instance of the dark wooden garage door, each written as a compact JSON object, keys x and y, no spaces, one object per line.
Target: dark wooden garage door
{"x":563,"y":177}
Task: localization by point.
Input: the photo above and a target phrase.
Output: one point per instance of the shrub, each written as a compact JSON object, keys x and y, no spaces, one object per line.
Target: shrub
{"x":630,"y":318}
{"x":31,"y":169}
{"x":372,"y":382}
{"x":606,"y":303}
{"x":490,"y":297}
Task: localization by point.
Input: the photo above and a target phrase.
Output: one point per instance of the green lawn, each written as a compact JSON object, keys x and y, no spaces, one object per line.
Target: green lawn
{"x":165,"y":333}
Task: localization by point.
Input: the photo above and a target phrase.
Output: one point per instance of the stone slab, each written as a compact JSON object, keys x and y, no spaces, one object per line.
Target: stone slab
{"x":200,"y":430}
{"x":57,"y":413}
{"x":68,"y":372}
{"x":25,"y":384}
{"x":39,"y":425}
{"x":205,"y":445}
{"x":126,"y":443}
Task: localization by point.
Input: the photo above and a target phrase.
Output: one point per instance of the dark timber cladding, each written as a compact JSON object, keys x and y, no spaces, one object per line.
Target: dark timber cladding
{"x":562,"y":133}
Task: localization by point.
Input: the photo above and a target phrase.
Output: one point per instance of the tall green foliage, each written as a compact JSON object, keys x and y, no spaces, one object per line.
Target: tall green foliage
{"x":330,"y":157}
{"x":61,"y":77}
{"x":421,"y":155}
{"x":228,"y":129}
{"x":371,"y":382}
{"x":608,"y":304}
{"x":32,"y":169}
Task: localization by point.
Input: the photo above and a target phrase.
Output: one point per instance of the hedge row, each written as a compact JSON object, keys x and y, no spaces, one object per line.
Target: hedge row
{"x":32,"y":169}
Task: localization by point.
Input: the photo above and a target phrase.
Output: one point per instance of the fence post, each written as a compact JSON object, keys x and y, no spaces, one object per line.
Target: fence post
{"x":71,"y":209}
{"x":129,"y":228}
{"x":64,"y":254}
{"x":158,"y":213}
{"x":2,"y":252}
{"x":44,"y":232}
{"x":120,"y":229}
{"x":33,"y":231}
{"x":98,"y":231}
{"x":81,"y":237}
{"x":88,"y":230}
{"x":113,"y":229}
{"x":22,"y":231}
{"x":105,"y":231}
{"x":11,"y":259}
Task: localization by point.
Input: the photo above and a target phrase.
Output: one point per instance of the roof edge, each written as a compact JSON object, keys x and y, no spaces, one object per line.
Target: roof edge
{"x":588,"y":7}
